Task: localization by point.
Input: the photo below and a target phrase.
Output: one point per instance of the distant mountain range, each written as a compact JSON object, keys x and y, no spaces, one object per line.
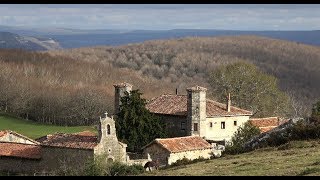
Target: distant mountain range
{"x":14,"y":41}
{"x":75,"y":38}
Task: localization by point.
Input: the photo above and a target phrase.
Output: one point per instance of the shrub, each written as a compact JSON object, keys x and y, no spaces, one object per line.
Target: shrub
{"x":241,"y":136}
{"x":185,"y":161}
{"x":120,"y":169}
{"x":303,"y":131}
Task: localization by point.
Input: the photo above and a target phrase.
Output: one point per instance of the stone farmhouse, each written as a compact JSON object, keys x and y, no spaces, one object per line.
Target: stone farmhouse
{"x":193,"y":114}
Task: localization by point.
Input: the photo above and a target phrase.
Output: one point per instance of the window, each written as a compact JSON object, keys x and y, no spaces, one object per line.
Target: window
{"x":210,"y":124}
{"x":195,"y":126}
{"x":183,"y":126}
{"x":223,"y":125}
{"x":108,"y":129}
{"x":235,"y":123}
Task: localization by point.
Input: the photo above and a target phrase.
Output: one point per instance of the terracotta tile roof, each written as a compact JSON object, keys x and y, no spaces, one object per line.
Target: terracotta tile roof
{"x":9,"y":149}
{"x":168,"y":104}
{"x":181,"y":144}
{"x":177,"y":105}
{"x":219,"y":109}
{"x":77,"y":141}
{"x":264,"y":122}
{"x":85,"y":133}
{"x":268,"y":123}
{"x":4,"y":132}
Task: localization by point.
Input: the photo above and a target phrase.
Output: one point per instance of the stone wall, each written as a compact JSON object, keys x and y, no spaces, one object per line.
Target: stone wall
{"x":13,"y":164}
{"x":157,"y":152}
{"x":165,"y":158}
{"x":173,"y":124}
{"x":53,"y":159}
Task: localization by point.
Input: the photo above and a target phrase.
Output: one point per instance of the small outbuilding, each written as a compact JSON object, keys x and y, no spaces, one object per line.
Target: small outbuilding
{"x":169,"y":150}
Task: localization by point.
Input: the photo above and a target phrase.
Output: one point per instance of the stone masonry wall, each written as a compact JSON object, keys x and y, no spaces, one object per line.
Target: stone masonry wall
{"x":53,"y":159}
{"x":173,"y":124}
{"x":156,"y":152}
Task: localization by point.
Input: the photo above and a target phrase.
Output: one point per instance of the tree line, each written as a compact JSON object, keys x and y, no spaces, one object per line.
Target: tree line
{"x":61,"y":90}
{"x":188,"y":60}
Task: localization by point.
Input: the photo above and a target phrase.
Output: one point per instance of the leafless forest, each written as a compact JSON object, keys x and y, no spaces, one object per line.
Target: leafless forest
{"x":74,"y":86}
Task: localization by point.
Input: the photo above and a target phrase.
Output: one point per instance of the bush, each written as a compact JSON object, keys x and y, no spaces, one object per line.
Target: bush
{"x":120,"y":169}
{"x":185,"y":161}
{"x":113,"y":169}
{"x":240,"y":137}
{"x":302,"y":131}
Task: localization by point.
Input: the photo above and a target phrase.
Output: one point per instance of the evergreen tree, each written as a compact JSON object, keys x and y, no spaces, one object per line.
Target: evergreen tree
{"x":315,"y":115}
{"x":136,"y":126}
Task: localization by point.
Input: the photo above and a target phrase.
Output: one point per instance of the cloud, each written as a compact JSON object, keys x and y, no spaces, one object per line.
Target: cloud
{"x":164,"y":16}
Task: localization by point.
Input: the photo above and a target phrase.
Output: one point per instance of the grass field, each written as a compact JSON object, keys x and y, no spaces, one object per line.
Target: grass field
{"x":35,"y":130}
{"x":296,"y":158}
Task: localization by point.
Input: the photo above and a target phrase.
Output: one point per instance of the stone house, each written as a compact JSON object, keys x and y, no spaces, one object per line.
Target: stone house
{"x":193,"y":114}
{"x":61,"y":151}
{"x":169,"y":150}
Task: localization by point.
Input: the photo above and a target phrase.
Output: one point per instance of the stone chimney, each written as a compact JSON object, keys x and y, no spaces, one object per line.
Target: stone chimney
{"x":120,"y":90}
{"x":228,"y":103}
{"x":196,"y":111}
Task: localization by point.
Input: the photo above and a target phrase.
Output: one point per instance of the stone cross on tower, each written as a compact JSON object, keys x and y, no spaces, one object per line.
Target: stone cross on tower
{"x":106,"y":113}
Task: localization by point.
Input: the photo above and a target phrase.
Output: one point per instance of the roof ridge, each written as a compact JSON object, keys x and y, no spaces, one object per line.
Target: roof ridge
{"x":19,"y":143}
{"x":183,"y":137}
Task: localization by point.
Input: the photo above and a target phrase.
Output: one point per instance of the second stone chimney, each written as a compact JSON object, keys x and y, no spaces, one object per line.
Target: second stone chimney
{"x":228,"y":103}
{"x":120,"y":90}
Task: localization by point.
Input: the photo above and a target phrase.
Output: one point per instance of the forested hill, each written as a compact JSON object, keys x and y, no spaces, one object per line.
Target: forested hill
{"x":189,"y":60}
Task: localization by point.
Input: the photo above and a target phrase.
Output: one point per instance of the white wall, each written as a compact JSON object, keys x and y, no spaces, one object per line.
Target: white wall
{"x":217,"y":134}
{"x":205,"y":153}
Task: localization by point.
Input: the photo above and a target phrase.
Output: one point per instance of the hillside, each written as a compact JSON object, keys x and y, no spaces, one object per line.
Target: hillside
{"x":36,"y":130}
{"x":65,"y":91}
{"x":298,"y":158}
{"x":190,"y":60}
{"x":15,"y":41}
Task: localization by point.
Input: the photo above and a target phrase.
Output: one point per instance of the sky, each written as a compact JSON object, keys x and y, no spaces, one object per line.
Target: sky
{"x":163,"y":16}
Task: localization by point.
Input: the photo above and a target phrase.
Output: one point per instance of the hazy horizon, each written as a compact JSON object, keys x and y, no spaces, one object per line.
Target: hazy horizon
{"x":244,"y":17}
